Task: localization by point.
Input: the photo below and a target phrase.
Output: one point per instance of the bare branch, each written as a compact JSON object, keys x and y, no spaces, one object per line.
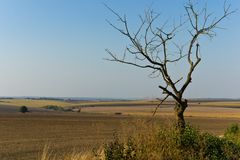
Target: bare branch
{"x":166,"y":91}
{"x":161,"y":102}
{"x":178,"y":80}
{"x":114,"y":58}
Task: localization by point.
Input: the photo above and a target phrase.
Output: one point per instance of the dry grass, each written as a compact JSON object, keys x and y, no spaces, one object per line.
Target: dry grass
{"x":48,"y":154}
{"x":154,"y":142}
{"x":141,"y":129}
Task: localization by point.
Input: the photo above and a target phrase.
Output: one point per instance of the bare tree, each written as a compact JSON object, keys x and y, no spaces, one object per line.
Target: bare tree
{"x":153,"y":46}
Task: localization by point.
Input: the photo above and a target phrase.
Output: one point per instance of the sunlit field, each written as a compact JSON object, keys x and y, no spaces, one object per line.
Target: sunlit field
{"x":24,"y":135}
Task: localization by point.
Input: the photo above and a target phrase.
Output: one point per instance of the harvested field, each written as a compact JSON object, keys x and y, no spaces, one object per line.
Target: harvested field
{"x":23,"y":136}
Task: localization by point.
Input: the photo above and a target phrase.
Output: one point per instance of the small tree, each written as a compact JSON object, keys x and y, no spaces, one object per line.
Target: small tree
{"x":153,"y":46}
{"x":23,"y":109}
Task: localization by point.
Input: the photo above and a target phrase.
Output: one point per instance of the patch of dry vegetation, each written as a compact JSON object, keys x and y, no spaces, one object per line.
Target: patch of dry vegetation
{"x":147,"y":140}
{"x":48,"y":154}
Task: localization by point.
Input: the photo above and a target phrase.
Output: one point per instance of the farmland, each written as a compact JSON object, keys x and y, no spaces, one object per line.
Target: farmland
{"x":23,"y":136}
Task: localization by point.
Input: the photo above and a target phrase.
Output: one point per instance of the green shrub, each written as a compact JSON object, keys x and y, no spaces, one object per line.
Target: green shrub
{"x":187,"y":143}
{"x":117,"y":150}
{"x":114,"y":150}
{"x":231,"y":150}
{"x":233,"y":129}
{"x":212,"y":147}
{"x":189,"y":138}
{"x":233,"y":133}
{"x":130,"y":150}
{"x":23,"y":109}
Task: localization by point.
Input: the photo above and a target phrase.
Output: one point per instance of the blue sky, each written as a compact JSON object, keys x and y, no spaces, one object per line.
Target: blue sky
{"x":56,"y":48}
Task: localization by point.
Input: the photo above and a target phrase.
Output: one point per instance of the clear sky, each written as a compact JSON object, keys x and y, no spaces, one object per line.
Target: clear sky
{"x":56,"y":48}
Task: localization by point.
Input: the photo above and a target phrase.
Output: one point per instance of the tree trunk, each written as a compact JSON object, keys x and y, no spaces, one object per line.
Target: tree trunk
{"x":179,"y":111}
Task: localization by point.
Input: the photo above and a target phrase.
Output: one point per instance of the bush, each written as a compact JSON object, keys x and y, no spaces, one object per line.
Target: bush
{"x":168,"y":143}
{"x":114,"y":150}
{"x":53,"y":107}
{"x":117,"y":150}
{"x":233,"y":133}
{"x":231,"y":150}
{"x":212,"y":147}
{"x":232,"y":130}
{"x":23,"y":109}
{"x":189,"y":138}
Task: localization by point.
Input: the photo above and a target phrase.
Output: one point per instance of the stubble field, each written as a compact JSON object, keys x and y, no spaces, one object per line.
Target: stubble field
{"x":23,"y":136}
